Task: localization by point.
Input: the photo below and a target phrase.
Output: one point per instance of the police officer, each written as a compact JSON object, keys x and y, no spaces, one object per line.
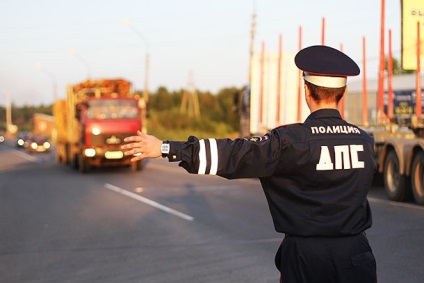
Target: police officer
{"x":315,"y":175}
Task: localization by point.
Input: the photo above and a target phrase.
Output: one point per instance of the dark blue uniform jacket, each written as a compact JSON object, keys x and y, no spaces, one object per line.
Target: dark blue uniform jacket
{"x":315,"y":175}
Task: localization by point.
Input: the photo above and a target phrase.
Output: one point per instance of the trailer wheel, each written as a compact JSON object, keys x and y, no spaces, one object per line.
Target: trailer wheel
{"x":417,"y":178}
{"x":394,"y":183}
{"x":137,"y":166}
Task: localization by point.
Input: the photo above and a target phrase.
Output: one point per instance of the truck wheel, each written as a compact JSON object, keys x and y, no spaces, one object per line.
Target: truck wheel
{"x":137,"y":166}
{"x":394,"y":183}
{"x":83,"y":164}
{"x":59,"y":159}
{"x":74,"y":162}
{"x":66,"y":158}
{"x":417,"y":178}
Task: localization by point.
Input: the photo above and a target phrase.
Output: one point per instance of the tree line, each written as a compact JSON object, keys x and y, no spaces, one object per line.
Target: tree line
{"x":167,"y":118}
{"x":22,"y":116}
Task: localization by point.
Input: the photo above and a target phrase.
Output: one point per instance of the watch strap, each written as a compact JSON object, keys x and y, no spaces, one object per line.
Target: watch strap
{"x":165,"y":148}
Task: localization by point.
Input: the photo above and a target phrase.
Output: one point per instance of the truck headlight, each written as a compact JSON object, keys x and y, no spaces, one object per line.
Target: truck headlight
{"x":90,"y":152}
{"x":95,"y":131}
{"x":46,"y":145}
{"x":34,"y":145}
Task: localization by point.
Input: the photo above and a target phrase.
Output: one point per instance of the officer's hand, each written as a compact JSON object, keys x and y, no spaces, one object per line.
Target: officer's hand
{"x":142,"y":146}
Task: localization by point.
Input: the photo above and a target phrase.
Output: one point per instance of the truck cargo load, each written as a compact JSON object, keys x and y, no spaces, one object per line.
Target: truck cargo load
{"x":92,"y":122}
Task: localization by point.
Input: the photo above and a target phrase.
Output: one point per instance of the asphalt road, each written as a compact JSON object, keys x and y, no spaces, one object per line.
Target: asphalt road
{"x":161,"y":225}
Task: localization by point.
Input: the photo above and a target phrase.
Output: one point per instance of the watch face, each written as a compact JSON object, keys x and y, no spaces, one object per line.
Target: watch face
{"x":165,"y":148}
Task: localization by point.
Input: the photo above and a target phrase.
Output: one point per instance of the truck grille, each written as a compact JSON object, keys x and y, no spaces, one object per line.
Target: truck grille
{"x":109,"y":139}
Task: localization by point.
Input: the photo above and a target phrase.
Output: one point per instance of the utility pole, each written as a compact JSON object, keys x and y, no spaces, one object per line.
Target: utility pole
{"x":10,"y":128}
{"x":74,"y":53}
{"x":53,"y":78}
{"x":245,"y":109}
{"x":252,"y":43}
{"x":127,"y":23}
{"x":190,"y":99}
{"x":8,"y":111}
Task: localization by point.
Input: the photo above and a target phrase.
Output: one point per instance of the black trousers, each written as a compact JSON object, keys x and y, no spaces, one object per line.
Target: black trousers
{"x":326,"y":260}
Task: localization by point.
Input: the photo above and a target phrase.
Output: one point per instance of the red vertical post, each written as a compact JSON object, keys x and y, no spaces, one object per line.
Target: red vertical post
{"x":418,"y":99}
{"x":364,"y":84}
{"x":299,"y":91}
{"x":323,"y":31}
{"x":342,"y":101}
{"x":279,"y":73}
{"x":390,"y":78}
{"x":380,"y":94}
{"x":261,"y":98}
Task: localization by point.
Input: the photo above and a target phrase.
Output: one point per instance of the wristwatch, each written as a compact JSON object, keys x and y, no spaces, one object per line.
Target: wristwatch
{"x":165,"y":149}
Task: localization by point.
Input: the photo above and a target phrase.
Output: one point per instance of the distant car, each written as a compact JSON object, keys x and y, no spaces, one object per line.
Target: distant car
{"x":38,"y":143}
{"x":22,"y":139}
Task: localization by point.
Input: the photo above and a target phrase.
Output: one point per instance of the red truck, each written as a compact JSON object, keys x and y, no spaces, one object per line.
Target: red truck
{"x":92,"y":122}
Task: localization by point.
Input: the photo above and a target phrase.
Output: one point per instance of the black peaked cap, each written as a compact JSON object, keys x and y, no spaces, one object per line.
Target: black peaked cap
{"x":323,"y":60}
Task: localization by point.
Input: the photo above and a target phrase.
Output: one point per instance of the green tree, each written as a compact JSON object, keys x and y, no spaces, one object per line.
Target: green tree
{"x":22,"y":116}
{"x":163,"y":99}
{"x":397,"y":67}
{"x":216,"y":119}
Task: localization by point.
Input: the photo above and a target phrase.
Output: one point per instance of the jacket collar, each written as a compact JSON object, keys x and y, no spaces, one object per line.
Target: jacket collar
{"x":324,"y":113}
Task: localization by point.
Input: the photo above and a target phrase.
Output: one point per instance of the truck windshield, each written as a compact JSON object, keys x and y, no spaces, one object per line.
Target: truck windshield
{"x":112,"y":109}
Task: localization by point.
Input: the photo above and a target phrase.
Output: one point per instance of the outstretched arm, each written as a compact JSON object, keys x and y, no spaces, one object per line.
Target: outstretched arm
{"x":142,"y":146}
{"x":239,"y":158}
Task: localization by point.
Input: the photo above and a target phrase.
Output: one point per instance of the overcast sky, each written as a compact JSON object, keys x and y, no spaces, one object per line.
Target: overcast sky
{"x":59,"y":42}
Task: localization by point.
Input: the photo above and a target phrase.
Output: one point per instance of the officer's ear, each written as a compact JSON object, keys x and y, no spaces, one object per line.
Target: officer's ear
{"x":305,"y":86}
{"x":308,"y":96}
{"x":343,"y":96}
{"x":307,"y":90}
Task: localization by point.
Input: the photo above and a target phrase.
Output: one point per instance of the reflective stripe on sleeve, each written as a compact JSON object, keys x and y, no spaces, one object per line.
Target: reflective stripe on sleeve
{"x":214,"y":156}
{"x":202,"y":158}
{"x":208,"y":157}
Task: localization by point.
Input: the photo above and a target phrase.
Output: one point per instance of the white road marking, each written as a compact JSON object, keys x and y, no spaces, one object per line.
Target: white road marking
{"x":24,"y":155}
{"x":149,"y":202}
